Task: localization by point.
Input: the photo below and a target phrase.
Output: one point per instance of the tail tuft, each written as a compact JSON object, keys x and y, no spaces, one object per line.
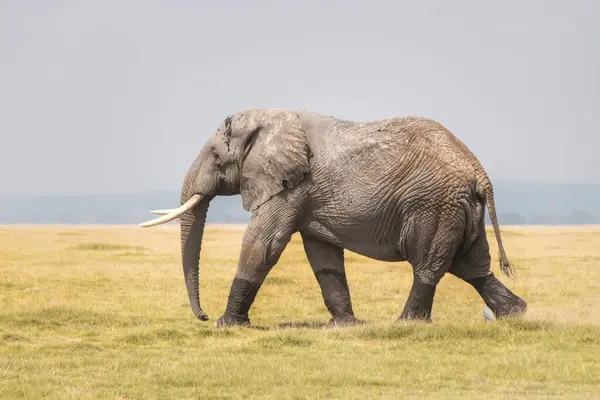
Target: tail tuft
{"x":486,"y":189}
{"x":506,"y":266}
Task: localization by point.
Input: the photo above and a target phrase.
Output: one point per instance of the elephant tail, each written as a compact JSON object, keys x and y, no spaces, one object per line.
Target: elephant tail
{"x":485,"y":189}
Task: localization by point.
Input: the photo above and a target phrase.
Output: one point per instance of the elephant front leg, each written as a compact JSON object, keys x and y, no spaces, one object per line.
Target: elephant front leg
{"x":327,"y":263}
{"x":260,"y":252}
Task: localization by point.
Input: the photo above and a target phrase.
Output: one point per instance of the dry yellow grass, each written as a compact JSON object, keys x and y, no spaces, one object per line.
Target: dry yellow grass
{"x":101,"y":312}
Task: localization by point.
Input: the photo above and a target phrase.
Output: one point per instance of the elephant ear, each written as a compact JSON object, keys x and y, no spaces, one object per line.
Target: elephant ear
{"x":276,"y":159}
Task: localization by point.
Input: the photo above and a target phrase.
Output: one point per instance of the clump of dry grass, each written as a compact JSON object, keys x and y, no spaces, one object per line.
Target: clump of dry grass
{"x":101,"y":312}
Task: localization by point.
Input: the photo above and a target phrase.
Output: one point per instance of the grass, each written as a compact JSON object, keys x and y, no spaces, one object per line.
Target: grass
{"x":101,"y":312}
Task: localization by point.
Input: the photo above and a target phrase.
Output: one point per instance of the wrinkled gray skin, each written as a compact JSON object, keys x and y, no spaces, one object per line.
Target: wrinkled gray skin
{"x":401,"y":189}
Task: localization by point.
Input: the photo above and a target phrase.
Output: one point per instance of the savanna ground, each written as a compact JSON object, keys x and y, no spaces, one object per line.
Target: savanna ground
{"x":102,"y":312}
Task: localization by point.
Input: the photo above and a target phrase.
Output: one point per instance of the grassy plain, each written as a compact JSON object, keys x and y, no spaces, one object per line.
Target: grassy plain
{"x":101,"y":312}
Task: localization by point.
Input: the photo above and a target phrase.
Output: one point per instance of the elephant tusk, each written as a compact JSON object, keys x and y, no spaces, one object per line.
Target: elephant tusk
{"x":176,"y":212}
{"x":162,"y":212}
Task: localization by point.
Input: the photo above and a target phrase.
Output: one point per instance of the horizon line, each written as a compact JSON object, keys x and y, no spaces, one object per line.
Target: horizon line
{"x":156,"y":191}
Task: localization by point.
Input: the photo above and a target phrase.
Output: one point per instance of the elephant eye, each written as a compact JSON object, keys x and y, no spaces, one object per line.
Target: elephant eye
{"x":214,"y":153}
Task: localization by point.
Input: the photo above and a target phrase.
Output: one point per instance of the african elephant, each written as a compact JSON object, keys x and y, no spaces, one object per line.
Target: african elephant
{"x":400,"y":189}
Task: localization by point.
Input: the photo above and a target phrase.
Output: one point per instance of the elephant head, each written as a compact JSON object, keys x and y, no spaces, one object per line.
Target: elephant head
{"x":255,"y":153}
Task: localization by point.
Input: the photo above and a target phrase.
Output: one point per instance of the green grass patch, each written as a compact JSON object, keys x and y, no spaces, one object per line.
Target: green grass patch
{"x":106,"y":247}
{"x":278,"y":280}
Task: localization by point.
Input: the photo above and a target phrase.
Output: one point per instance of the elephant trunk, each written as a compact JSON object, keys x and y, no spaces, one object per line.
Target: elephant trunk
{"x":192,"y":229}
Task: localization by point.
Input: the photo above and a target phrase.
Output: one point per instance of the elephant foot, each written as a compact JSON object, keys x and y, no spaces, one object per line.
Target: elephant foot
{"x":229,"y":321}
{"x":514,"y":308}
{"x":347,"y":320}
{"x":498,"y":297}
{"x":415,"y":316}
{"x":419,"y":303}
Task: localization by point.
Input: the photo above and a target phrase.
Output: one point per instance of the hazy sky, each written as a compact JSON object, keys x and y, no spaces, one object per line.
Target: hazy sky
{"x":119,"y":96}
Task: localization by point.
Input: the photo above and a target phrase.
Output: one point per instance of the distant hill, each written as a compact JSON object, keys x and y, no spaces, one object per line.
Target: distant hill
{"x":541,"y":203}
{"x":517,"y":203}
{"x":109,"y":209}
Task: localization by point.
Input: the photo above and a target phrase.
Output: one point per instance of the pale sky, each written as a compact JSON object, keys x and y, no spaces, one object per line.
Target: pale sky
{"x":119,"y":96}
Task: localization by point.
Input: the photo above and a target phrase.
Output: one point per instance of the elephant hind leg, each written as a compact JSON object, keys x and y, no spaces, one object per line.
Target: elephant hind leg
{"x":420,"y":301}
{"x":473,"y":266}
{"x":435,"y":241}
{"x":498,"y":297}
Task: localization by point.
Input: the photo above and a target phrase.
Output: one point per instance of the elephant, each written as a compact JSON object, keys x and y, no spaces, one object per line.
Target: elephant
{"x":397,"y":189}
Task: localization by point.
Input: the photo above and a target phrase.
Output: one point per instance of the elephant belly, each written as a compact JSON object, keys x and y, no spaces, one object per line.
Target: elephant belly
{"x":357,"y":240}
